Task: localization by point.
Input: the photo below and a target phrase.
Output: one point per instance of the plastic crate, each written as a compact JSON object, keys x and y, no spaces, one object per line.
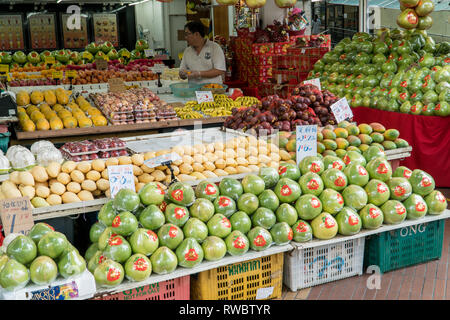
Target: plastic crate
{"x":259,"y":278}
{"x":174,"y":289}
{"x":404,"y":247}
{"x":304,"y":268}
{"x":4,"y":141}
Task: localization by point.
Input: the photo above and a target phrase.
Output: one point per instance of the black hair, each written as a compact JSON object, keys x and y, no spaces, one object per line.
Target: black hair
{"x":196,"y":26}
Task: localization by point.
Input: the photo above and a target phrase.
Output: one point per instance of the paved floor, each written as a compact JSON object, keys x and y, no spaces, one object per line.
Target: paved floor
{"x":426,"y":281}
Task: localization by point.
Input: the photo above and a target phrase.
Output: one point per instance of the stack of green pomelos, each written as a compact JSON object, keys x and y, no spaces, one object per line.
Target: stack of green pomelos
{"x":415,"y":14}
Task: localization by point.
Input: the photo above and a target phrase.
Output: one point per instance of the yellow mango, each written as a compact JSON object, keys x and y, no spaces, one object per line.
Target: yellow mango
{"x":36,"y":97}
{"x":50,"y":97}
{"x":22,"y":98}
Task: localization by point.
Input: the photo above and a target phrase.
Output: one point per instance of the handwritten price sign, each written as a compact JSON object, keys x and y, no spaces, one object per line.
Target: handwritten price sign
{"x":16,"y":215}
{"x":341,"y":110}
{"x":121,"y":177}
{"x":157,"y":161}
{"x":306,"y":141}
{"x":315,"y":82}
{"x":204,"y":96}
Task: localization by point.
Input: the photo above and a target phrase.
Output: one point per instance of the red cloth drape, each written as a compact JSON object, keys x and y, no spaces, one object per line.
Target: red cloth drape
{"x":429,"y":137}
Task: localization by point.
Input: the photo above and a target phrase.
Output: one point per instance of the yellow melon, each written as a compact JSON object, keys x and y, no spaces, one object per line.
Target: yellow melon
{"x":57,"y":107}
{"x":22,"y":98}
{"x":50,"y":97}
{"x":42,"y":124}
{"x":94,"y":112}
{"x":99,"y":121}
{"x":30,"y":109}
{"x":64,"y":114}
{"x":61,"y":96}
{"x":56,"y":123}
{"x":70,"y":122}
{"x":36,"y":115}
{"x":84,"y":122}
{"x":50,"y":114}
{"x":36,"y":97}
{"x":28,"y":125}
{"x":21,"y":109}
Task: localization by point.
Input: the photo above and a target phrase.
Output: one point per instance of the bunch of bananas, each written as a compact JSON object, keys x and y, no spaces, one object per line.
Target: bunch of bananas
{"x":221,"y":106}
{"x":186,"y":112}
{"x":247,"y":101}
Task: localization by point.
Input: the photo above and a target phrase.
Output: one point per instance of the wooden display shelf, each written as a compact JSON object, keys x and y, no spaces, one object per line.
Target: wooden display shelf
{"x":46,"y":134}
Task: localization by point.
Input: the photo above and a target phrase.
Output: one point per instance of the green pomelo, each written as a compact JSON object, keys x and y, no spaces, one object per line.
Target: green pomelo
{"x":163,"y":260}
{"x":356,"y":174}
{"x":308,"y":207}
{"x":71,"y":264}
{"x":349,"y":222}
{"x":202,"y":209}
{"x":332,"y":201}
{"x":144,"y":241}
{"x":268,"y":199}
{"x":371,"y":217}
{"x":269,"y":175}
{"x":214,"y":248}
{"x":422,"y":183}
{"x":332,"y":162}
{"x":402,"y":172}
{"x":207,"y":190}
{"x":195,"y":228}
{"x":355,"y":197}
{"x":43,"y":270}
{"x":118,"y":249}
{"x":436,"y":202}
{"x":302,"y":231}
{"x":311,"y":183}
{"x":176,"y":214}
{"x":354,"y":156}
{"x":311,"y":164}
{"x":241,"y":221}
{"x":377,"y":192}
{"x":399,"y":188}
{"x":237,"y":243}
{"x":259,"y":238}
{"x":394,"y":212}
{"x":124,"y":224}
{"x":152,"y":217}
{"x":324,"y":226}
{"x":107,"y":213}
{"x":170,"y":236}
{"x":109,"y":274}
{"x":151,"y":193}
{"x":96,"y":230}
{"x":104,"y":237}
{"x":138,"y":267}
{"x":219,"y":226}
{"x":248,"y":202}
{"x":225,"y":205}
{"x":231,"y":188}
{"x":263,"y":217}
{"x":189,"y":253}
{"x":373,"y":152}
{"x":287,"y":190}
{"x":289,"y":170}
{"x":281,"y":233}
{"x":126,"y":200}
{"x":22,"y":249}
{"x":91,"y":250}
{"x":14,"y":275}
{"x":334,"y":179}
{"x":380,"y":169}
{"x":39,"y":230}
{"x":181,"y":193}
{"x":52,"y":244}
{"x":253,"y":184}
{"x":416,"y":207}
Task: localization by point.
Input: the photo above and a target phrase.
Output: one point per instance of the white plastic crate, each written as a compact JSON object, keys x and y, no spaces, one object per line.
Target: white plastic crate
{"x":307,"y":267}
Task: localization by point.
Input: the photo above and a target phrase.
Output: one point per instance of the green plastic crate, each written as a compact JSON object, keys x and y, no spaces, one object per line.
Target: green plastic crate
{"x":4,"y":141}
{"x":404,"y":247}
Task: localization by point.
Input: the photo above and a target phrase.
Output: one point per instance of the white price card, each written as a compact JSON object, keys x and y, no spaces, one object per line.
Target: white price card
{"x":306,"y":141}
{"x":315,"y":82}
{"x":157,"y":161}
{"x":341,"y":110}
{"x":149,"y":53}
{"x":264,"y":293}
{"x":121,"y":177}
{"x":204,"y":96}
{"x":16,"y":215}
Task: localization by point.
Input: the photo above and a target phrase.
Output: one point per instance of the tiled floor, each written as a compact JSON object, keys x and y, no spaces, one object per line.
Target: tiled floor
{"x":426,"y":281}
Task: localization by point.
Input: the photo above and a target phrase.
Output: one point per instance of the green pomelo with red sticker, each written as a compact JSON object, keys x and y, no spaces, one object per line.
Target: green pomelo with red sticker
{"x":311,"y":164}
{"x":124,"y":224}
{"x":380,"y":169}
{"x":241,"y":221}
{"x":207,"y":190}
{"x":287,"y":190}
{"x":332,"y":201}
{"x":104,"y":237}
{"x":356,"y":174}
{"x":71,"y":264}
{"x":195,"y":228}
{"x":402,"y":172}
{"x":371,"y":217}
{"x":96,"y":259}
{"x":268,"y":199}
{"x":219,"y":226}
{"x":52,"y":244}
{"x":43,"y":270}
{"x":152,"y":217}
{"x":324,"y":226}
{"x":254,"y":184}
{"x":281,"y":233}
{"x":264,"y":217}
{"x":176,"y":214}
{"x":138,"y":267}
{"x":14,"y":275}
{"x":260,"y":239}
{"x":151,"y":193}
{"x":248,"y":202}
{"x":144,"y":241}
{"x":308,"y":207}
{"x":422,"y":183}
{"x":202,"y":209}
{"x":436,"y":202}
{"x":302,"y":231}
{"x":311,"y":183}
{"x":289,"y":170}
{"x":96,"y":230}
{"x":109,"y":274}
{"x":355,"y":197}
{"x":214,"y":248}
{"x":377,"y":192}
{"x":181,"y":193}
{"x":170,"y":236}
{"x":333,"y":162}
{"x":225,"y":205}
{"x":373,"y":152}
{"x":237,"y":243}
{"x":416,"y":207}
{"x":231,"y":188}
{"x":126,"y":200}
{"x":90,"y":251}
{"x":107,"y":213}
{"x":400,"y":188}
{"x":118,"y":249}
{"x":39,"y":230}
{"x":394,"y":212}
{"x":189,"y":253}
{"x":334,"y":179}
{"x":163,"y":260}
{"x":269,"y":175}
{"x":286,"y":213}
{"x":349,"y":222}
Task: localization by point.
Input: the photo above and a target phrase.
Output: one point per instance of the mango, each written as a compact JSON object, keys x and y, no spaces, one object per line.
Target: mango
{"x":364,"y":128}
{"x":365,"y":138}
{"x":391,"y":134}
{"x":352,"y":130}
{"x":389,"y":145}
{"x":363,"y":147}
{"x":329,"y":153}
{"x":377,"y":127}
{"x":342,"y":143}
{"x":401,"y":143}
{"x":328,"y":134}
{"x":319,"y":136}
{"x":330,"y":144}
{"x":341,"y":133}
{"x":320,"y":147}
{"x":36,"y":97}
{"x":377,"y":137}
{"x":291,"y":146}
{"x":354,"y":140}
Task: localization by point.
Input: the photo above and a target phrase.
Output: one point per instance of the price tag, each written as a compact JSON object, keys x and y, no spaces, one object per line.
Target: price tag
{"x":57,"y":74}
{"x":4,"y":68}
{"x":50,"y":60}
{"x":204,"y":96}
{"x":341,"y":110}
{"x":306,"y":142}
{"x":71,"y":74}
{"x":149,"y":53}
{"x":264,"y":293}
{"x":121,"y":177}
{"x":116,"y":85}
{"x":101,"y":64}
{"x":157,"y":161}
{"x":315,"y":82}
{"x":16,"y":215}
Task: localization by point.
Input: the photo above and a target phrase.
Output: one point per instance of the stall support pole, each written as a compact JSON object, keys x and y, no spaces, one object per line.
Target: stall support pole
{"x":363,"y":16}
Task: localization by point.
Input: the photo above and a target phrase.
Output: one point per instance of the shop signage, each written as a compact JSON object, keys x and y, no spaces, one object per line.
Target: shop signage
{"x":315,"y":82}
{"x":57,"y":74}
{"x":341,"y":110}
{"x":306,"y":141}
{"x":121,"y":177}
{"x":16,"y":215}
{"x":204,"y":96}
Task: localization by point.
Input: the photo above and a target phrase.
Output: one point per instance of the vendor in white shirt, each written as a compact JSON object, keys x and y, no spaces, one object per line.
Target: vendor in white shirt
{"x":203,"y":60}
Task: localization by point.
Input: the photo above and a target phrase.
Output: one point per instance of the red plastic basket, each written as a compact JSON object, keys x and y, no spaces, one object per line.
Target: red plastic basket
{"x":175,"y":289}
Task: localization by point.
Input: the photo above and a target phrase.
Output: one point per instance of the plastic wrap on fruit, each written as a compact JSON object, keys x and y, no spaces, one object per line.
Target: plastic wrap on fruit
{"x":20,"y":158}
{"x":48,"y":155}
{"x":37,"y":146}
{"x":5,"y":166}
